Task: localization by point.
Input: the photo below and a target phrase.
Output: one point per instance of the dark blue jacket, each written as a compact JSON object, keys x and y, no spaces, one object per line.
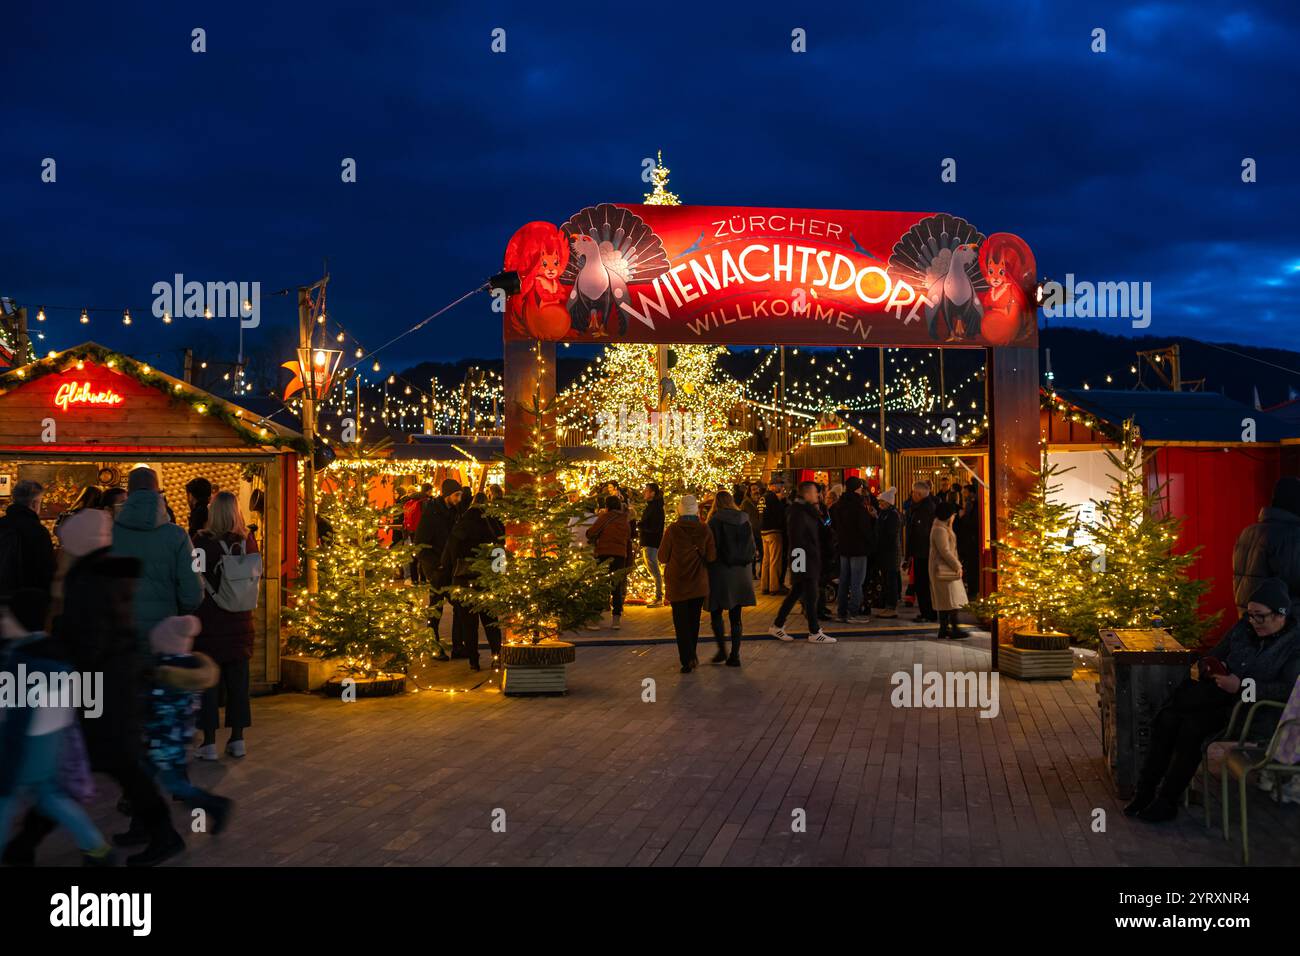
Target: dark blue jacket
{"x":1273,"y":662}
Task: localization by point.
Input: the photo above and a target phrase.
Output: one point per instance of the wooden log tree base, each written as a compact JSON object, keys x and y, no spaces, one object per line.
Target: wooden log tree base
{"x":384,"y":685}
{"x":1029,"y":664}
{"x":1040,"y":640}
{"x":545,"y":654}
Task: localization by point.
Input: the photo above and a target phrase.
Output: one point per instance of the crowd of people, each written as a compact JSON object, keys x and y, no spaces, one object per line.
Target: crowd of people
{"x":165,"y":615}
{"x":840,"y":547}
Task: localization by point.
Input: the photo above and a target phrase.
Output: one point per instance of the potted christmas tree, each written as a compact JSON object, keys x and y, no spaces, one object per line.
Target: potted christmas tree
{"x":1042,"y":581}
{"x":1138,"y":580}
{"x":363,"y":616}
{"x":540,"y":582}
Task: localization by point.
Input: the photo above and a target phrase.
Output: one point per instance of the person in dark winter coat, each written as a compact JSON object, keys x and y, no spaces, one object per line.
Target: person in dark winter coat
{"x":611,"y":535}
{"x":775,"y":548}
{"x":1270,"y":548}
{"x":919,"y":519}
{"x":168,"y":583}
{"x":888,"y":554}
{"x":198,"y":491}
{"x":803,"y":536}
{"x":436,"y":521}
{"x":969,"y":534}
{"x":26,"y":549}
{"x":475,"y":529}
{"x":227,"y":636}
{"x":651,"y":531}
{"x":685,"y":553}
{"x":750,"y":506}
{"x":855,"y":540}
{"x":1264,"y":647}
{"x":731,"y":582}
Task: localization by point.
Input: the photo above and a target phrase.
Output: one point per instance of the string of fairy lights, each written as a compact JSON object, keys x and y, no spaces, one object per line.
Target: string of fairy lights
{"x":391,"y":401}
{"x":825,"y":381}
{"x":818,"y":381}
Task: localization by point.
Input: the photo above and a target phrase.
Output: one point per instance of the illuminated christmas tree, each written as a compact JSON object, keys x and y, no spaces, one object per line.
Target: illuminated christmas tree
{"x":363,"y":613}
{"x":1138,"y":580}
{"x":542,"y":582}
{"x":663,"y":414}
{"x":1042,"y":574}
{"x":660,"y":196}
{"x":674,"y":429}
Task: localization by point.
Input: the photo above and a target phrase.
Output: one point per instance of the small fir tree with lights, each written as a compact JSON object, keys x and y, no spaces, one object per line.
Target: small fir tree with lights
{"x":1138,"y":579}
{"x":541,"y":582}
{"x":1042,"y":573}
{"x":362,"y":613}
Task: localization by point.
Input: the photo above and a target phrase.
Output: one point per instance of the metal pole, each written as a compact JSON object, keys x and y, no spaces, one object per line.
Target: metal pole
{"x":306,"y":321}
{"x":884,"y":455}
{"x":783,"y":421}
{"x":23,"y":352}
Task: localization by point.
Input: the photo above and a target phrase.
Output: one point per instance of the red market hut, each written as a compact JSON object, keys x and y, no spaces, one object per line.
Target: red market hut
{"x":1217,"y":458}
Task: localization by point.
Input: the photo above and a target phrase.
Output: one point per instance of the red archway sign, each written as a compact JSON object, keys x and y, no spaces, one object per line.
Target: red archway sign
{"x":617,"y":273}
{"x":761,"y":276}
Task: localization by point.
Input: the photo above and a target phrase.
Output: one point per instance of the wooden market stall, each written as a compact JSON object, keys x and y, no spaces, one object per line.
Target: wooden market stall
{"x":88,"y":415}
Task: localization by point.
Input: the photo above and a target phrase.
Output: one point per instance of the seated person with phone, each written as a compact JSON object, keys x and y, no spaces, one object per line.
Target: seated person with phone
{"x":1264,"y":646}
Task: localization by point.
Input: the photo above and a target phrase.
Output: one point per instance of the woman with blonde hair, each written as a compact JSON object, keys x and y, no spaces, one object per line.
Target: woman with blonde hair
{"x":227,"y":636}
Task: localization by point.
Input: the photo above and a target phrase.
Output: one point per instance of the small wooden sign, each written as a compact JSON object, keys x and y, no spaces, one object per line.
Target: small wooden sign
{"x":829,"y":436}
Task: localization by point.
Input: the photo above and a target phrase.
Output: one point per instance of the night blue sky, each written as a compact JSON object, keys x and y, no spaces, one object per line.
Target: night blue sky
{"x":1117,"y":166}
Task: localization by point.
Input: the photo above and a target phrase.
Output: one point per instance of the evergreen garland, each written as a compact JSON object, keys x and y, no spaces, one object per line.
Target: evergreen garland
{"x":200,"y":403}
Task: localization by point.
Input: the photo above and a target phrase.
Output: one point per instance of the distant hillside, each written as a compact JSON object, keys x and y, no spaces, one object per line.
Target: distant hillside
{"x":1082,"y":355}
{"x":1077,"y":356}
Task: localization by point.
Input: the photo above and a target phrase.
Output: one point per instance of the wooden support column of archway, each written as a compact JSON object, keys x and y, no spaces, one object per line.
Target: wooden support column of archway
{"x":1013,"y":439}
{"x":528,"y":376}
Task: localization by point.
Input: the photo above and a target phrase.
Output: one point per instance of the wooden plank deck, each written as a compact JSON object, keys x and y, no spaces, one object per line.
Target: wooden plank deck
{"x":710,"y":773}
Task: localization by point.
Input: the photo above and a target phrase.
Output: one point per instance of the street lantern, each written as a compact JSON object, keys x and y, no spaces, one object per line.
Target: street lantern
{"x":315,"y":369}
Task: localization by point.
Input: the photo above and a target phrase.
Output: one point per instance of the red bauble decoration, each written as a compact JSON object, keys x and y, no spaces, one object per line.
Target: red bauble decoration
{"x":549,"y":322}
{"x":999,"y":327}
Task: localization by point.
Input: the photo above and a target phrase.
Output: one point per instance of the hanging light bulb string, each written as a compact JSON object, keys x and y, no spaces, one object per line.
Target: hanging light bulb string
{"x":415,"y":328}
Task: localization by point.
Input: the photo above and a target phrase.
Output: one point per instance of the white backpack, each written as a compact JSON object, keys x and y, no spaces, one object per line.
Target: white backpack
{"x":240,"y":575}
